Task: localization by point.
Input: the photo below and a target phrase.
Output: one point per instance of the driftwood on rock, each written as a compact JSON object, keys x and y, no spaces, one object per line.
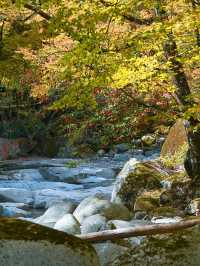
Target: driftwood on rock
{"x":138,"y":231}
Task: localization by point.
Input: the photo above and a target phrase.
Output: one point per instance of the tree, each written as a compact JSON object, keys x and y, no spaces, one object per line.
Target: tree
{"x":138,"y":48}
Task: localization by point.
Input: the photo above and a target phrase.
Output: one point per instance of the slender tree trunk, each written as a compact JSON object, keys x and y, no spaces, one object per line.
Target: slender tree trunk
{"x":192,"y":162}
{"x":178,"y":75}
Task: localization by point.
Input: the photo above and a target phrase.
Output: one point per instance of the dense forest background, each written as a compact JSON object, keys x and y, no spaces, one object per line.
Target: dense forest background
{"x":97,"y":72}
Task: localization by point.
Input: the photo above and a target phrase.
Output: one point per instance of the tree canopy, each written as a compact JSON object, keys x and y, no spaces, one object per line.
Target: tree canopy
{"x":132,"y":54}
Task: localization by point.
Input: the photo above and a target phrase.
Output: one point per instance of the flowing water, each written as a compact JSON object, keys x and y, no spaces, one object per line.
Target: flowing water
{"x":29,"y":186}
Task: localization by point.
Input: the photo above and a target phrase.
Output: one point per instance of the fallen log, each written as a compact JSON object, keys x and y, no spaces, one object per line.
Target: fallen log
{"x":138,"y":231}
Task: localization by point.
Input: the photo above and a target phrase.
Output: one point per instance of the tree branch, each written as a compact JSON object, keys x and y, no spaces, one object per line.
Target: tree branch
{"x":38,"y":11}
{"x":139,"y":21}
{"x":138,"y":231}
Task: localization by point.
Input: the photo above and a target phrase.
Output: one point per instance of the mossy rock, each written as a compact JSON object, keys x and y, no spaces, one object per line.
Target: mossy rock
{"x":132,"y":181}
{"x":179,"y":249}
{"x":176,"y":139}
{"x":148,"y":201}
{"x":166,"y":212}
{"x":26,"y":244}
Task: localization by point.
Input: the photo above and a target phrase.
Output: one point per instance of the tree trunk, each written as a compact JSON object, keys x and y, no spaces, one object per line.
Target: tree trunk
{"x":192,"y":162}
{"x":179,"y":78}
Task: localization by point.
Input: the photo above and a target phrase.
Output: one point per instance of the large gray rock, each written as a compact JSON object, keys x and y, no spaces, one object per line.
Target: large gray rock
{"x":97,"y":205}
{"x":26,"y":244}
{"x":89,"y":207}
{"x":55,"y":213}
{"x":68,"y":224}
{"x":93,"y":223}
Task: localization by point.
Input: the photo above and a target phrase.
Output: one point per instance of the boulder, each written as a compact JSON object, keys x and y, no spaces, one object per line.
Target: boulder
{"x":98,"y":205}
{"x":93,"y":223}
{"x":23,"y":243}
{"x":176,"y":139}
{"x":135,"y":178}
{"x":55,"y":213}
{"x":89,"y":207}
{"x":178,"y":249}
{"x":68,"y":224}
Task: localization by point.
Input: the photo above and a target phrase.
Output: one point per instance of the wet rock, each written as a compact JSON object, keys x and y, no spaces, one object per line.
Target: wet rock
{"x":55,"y":213}
{"x":122,"y":157}
{"x":89,"y":207}
{"x":68,"y":224}
{"x":23,"y":243}
{"x":98,"y":205}
{"x":14,"y":212}
{"x":93,"y":223}
{"x":16,"y":195}
{"x":123,"y":147}
{"x":135,"y":178}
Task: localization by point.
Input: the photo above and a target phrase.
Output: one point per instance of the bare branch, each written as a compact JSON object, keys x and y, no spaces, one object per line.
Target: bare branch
{"x":38,"y":11}
{"x":138,"y":231}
